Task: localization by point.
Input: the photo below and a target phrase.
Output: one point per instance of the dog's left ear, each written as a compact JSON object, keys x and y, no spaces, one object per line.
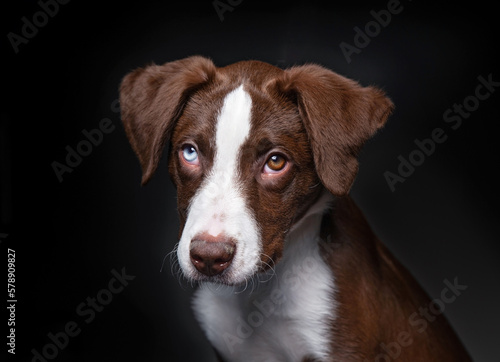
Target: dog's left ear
{"x":339,"y":116}
{"x":152,"y":99}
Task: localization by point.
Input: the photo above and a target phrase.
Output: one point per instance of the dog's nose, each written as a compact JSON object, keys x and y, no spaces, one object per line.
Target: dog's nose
{"x":211,"y":255}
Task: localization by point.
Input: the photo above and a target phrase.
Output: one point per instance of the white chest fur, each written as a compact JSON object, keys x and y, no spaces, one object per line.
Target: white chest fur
{"x":284,"y":316}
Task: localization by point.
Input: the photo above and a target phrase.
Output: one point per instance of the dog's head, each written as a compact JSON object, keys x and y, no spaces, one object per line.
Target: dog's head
{"x":252,"y":147}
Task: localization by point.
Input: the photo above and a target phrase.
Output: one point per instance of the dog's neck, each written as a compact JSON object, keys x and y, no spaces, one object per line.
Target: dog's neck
{"x":310,"y":223}
{"x":294,"y":300}
{"x":302,"y":242}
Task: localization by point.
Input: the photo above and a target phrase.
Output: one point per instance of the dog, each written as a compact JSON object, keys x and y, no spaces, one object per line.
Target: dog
{"x":263,"y":160}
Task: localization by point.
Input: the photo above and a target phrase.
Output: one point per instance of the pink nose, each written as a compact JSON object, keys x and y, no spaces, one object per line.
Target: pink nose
{"x":211,"y":255}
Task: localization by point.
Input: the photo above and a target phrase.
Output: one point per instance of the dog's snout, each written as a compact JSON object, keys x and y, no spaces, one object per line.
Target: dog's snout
{"x":211,"y":256}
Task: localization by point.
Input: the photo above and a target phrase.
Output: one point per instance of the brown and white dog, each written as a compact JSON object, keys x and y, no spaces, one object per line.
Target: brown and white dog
{"x":263,"y":160}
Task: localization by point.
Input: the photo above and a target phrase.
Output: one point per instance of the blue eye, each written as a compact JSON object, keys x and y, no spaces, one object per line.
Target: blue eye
{"x":189,"y":154}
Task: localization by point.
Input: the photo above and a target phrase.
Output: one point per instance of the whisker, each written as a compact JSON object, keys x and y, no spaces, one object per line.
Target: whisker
{"x":163,"y":262}
{"x":169,"y":254}
{"x":213,"y":287}
{"x":270,"y":265}
{"x":241,"y":291}
{"x":175,"y":269}
{"x":254,"y":282}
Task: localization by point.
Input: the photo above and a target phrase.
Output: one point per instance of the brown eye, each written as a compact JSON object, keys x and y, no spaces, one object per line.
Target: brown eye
{"x":275,"y":163}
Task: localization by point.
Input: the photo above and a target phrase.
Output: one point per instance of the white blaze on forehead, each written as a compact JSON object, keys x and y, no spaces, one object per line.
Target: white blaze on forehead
{"x":233,"y":128}
{"x":219,"y":206}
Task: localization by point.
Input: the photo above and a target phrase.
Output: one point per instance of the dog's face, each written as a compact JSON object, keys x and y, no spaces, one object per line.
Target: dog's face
{"x":251,"y":148}
{"x":244,"y":172}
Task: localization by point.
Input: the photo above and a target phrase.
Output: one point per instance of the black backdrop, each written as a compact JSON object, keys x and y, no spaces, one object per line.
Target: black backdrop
{"x":69,"y":234}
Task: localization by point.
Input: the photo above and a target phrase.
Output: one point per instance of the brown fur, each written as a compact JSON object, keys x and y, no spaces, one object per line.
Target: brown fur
{"x":376,"y":297}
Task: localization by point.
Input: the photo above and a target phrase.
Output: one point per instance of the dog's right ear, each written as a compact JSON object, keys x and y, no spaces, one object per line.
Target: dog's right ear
{"x":151,"y":100}
{"x":339,"y":116}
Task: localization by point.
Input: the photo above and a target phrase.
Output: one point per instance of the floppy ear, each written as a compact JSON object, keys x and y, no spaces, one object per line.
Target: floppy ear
{"x":151,"y":100}
{"x":339,"y":116}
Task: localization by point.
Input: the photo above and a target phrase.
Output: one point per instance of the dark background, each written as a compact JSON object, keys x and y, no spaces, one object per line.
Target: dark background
{"x":442,"y":222}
